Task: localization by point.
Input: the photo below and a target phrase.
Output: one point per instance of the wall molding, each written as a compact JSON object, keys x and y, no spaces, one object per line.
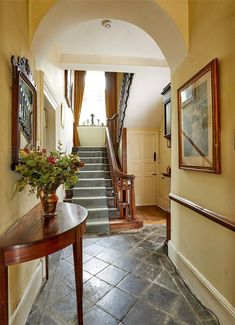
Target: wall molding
{"x":202,"y":288}
{"x":22,"y":310}
{"x":218,"y":218}
{"x":49,"y":93}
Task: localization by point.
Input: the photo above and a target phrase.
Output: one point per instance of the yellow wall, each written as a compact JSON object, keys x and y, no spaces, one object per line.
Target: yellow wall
{"x":164,"y":161}
{"x":208,"y":246}
{"x":14,"y":40}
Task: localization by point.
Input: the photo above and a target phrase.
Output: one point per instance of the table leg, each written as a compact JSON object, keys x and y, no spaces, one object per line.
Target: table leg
{"x":4,"y":295}
{"x":47,"y":267}
{"x":77,"y":255}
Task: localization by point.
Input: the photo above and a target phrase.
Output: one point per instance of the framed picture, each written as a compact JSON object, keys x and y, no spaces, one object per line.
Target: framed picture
{"x":68,"y":87}
{"x":198,"y":112}
{"x":167,"y":111}
{"x":62,"y":115}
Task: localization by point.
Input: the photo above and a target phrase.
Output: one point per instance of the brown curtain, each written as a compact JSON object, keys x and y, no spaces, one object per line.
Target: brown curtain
{"x":79,"y":86}
{"x":111,"y":93}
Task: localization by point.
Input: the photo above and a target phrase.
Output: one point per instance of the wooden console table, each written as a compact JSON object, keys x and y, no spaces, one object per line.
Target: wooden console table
{"x":33,"y":237}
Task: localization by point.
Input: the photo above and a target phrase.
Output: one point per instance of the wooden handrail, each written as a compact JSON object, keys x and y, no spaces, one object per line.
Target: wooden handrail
{"x":218,"y":218}
{"x":123,"y":184}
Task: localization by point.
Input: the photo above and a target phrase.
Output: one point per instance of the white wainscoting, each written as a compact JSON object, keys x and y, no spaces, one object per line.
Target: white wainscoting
{"x":202,"y":288}
{"x":91,"y":136}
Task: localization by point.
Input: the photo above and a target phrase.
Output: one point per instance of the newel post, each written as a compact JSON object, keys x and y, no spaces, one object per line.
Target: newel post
{"x":133,"y":208}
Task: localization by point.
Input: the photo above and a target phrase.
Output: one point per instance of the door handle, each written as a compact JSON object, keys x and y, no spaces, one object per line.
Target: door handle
{"x":154,"y":174}
{"x":154,"y":156}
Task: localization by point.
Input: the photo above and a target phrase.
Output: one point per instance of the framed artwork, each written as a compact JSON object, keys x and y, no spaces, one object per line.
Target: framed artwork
{"x":62,"y":115}
{"x":68,"y":88}
{"x":198,"y":113}
{"x":167,"y":111}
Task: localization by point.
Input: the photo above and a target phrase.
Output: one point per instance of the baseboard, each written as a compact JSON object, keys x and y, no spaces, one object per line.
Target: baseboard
{"x":163,"y":204}
{"x":202,"y":288}
{"x":21,"y":313}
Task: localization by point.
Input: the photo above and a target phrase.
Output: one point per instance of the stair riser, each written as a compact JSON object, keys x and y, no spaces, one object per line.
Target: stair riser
{"x":91,"y":203}
{"x":101,"y":229}
{"x":92,"y":167}
{"x":108,"y":183}
{"x":92,"y":154}
{"x":109,"y":192}
{"x":89,"y":192}
{"x":99,"y":214}
{"x":89,"y":149}
{"x":113,"y":214}
{"x":98,"y":174}
{"x":97,"y":160}
{"x":90,"y":183}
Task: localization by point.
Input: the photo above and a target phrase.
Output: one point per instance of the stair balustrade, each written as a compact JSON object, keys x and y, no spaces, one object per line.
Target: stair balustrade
{"x":123,"y":184}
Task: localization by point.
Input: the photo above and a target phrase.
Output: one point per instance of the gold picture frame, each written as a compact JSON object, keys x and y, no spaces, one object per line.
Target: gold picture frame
{"x":198,"y":113}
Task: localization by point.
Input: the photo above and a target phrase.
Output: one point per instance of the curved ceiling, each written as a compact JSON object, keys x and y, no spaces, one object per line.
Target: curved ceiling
{"x":65,"y":17}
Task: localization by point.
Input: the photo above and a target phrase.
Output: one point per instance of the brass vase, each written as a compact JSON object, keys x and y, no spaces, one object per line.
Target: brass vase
{"x":49,"y":201}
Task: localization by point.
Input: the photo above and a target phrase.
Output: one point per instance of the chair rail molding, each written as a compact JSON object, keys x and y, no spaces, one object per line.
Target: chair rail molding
{"x":218,"y":218}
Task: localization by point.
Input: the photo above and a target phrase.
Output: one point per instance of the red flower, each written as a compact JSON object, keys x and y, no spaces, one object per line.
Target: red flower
{"x":51,"y":160}
{"x":26,"y":150}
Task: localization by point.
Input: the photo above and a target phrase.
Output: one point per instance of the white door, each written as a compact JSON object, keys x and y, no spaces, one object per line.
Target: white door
{"x":140,"y":162}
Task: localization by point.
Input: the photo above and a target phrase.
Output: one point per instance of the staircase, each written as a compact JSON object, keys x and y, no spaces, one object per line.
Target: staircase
{"x":94,"y":189}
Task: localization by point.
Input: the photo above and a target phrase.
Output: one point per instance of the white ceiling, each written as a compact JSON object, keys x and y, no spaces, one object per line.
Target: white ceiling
{"x":122,"y":48}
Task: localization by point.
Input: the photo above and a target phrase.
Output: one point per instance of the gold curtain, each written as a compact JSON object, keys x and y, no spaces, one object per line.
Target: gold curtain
{"x":79,"y":86}
{"x":111,"y":93}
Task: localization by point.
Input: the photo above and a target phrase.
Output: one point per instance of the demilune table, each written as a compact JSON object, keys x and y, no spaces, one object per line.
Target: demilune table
{"x":33,"y":237}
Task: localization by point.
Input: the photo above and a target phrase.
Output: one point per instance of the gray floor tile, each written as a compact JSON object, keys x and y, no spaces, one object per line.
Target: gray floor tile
{"x":136,"y":299}
{"x":109,"y":255}
{"x":112,"y":275}
{"x":97,"y":316}
{"x":117,"y":303}
{"x":94,"y":249}
{"x":127,"y":263}
{"x":147,"y":271}
{"x":95,"y":289}
{"x":144,"y":314}
{"x":94,"y":266}
{"x":133,"y":285}
{"x":161,"y":298}
{"x":66,"y":308}
{"x":139,"y":253}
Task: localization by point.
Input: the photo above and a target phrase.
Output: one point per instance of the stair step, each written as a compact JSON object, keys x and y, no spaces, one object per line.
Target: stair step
{"x":90,"y":160}
{"x":75,"y":149}
{"x":89,"y":191}
{"x":90,"y":182}
{"x":92,"y":154}
{"x":91,"y":167}
{"x":90,"y":202}
{"x":91,"y":174}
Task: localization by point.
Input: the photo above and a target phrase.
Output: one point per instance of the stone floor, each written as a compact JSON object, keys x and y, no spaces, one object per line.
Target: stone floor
{"x":128,"y":279}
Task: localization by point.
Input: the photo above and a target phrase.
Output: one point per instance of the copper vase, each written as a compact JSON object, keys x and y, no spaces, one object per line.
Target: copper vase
{"x":49,"y":201}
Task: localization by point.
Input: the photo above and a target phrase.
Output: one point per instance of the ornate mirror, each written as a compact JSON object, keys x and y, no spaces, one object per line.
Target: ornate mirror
{"x":24,"y":108}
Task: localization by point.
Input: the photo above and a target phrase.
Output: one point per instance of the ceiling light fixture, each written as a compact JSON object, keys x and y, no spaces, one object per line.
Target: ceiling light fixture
{"x":107,"y":23}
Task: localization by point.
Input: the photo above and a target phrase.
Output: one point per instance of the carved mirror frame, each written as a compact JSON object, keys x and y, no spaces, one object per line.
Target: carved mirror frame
{"x":21,"y":73}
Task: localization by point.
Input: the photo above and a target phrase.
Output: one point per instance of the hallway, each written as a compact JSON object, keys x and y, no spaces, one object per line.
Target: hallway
{"x":128,"y":279}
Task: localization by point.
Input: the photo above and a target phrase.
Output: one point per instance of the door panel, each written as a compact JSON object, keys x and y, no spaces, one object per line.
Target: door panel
{"x":140,"y":162}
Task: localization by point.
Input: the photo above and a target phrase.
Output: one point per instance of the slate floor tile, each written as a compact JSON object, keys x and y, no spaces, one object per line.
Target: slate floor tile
{"x":94,"y":266}
{"x":184,"y":312}
{"x":112,"y":275}
{"x":127,"y":263}
{"x":66,"y":308}
{"x":117,"y":303}
{"x":94,"y":249}
{"x":165,"y":280}
{"x":133,"y":285}
{"x":144,"y":314}
{"x":147,"y":271}
{"x":109,"y":255}
{"x":153,"y":293}
{"x":94,"y":289}
{"x":148,"y":245}
{"x":139,"y":253}
{"x":97,"y":316}
{"x":161,"y":298}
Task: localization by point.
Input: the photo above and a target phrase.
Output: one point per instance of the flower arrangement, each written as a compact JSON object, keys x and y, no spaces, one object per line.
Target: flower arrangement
{"x":45,"y":173}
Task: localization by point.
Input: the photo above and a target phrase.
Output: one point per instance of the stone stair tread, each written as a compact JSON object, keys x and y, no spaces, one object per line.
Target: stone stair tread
{"x":97,"y":209}
{"x":89,"y":197}
{"x":89,"y":188}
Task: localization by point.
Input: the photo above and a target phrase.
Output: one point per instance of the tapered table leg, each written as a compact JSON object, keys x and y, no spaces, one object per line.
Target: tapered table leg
{"x":77,"y":255}
{"x":3,"y":295}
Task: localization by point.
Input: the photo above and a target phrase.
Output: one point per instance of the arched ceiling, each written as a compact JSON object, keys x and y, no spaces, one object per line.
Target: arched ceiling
{"x":147,"y":16}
